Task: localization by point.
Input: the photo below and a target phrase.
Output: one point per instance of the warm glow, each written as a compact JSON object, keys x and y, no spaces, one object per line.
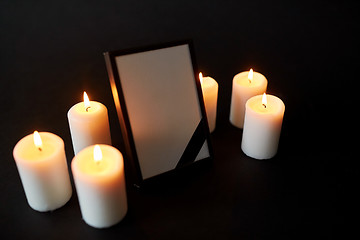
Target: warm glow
{"x":264,"y":100}
{"x":37,"y":140}
{"x":201,"y":77}
{"x":86,"y":101}
{"x":97,"y":154}
{"x":251,"y":75}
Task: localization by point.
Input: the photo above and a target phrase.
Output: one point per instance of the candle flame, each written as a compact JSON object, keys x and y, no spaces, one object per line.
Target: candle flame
{"x":97,"y":154}
{"x":251,"y":75}
{"x":37,"y":140}
{"x":264,"y":100}
{"x":86,"y":101}
{"x":201,"y":77}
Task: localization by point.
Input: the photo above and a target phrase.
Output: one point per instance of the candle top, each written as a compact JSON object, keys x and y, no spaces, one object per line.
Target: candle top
{"x":88,"y":165}
{"x":84,"y":112}
{"x":26,"y":149}
{"x":208,"y":82}
{"x":242,"y":79}
{"x":272,"y":106}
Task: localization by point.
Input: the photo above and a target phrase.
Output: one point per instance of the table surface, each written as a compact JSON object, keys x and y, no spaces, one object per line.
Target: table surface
{"x":52,"y":51}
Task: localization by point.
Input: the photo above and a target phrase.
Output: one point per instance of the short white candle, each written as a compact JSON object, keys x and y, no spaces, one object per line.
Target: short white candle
{"x":245,"y":85}
{"x":210,"y":94}
{"x":41,"y":161}
{"x":262,"y":126}
{"x":99,"y":178}
{"x":89,"y":124}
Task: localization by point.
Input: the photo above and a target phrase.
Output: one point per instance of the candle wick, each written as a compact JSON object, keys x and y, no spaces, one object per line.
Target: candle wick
{"x":40,"y":149}
{"x":264,"y":105}
{"x":87,"y":109}
{"x":249,"y":80}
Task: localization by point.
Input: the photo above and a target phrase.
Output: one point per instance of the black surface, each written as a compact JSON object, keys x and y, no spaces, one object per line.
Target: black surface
{"x":51,"y":51}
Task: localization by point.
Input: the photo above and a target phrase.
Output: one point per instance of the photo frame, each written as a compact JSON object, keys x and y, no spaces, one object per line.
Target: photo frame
{"x":159,"y":103}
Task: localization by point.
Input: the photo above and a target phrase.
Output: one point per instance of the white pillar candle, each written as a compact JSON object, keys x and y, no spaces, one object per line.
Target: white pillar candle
{"x":99,"y":178}
{"x":89,"y":124}
{"x":43,"y":170}
{"x":262,"y":126}
{"x":210,"y":93}
{"x":245,"y":85}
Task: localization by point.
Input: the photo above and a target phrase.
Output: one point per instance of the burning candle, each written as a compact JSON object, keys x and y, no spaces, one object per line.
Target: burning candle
{"x":210,"y":93}
{"x":41,"y":162}
{"x":99,"y":178}
{"x":245,"y":85}
{"x":262,"y":126}
{"x":89,"y":124}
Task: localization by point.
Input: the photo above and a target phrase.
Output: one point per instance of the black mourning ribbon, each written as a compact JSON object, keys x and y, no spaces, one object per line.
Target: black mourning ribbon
{"x":194,"y":145}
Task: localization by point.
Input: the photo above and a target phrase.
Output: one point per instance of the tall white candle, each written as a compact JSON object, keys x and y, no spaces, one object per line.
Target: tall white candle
{"x":210,"y":93}
{"x":262,"y":126}
{"x":89,"y":124}
{"x":99,"y":178}
{"x":41,"y":162}
{"x":245,"y":85}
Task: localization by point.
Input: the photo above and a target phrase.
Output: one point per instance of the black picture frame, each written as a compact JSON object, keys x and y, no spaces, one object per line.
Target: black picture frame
{"x":159,"y":102}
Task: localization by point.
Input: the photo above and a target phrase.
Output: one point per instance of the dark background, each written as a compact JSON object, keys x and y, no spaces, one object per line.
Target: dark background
{"x":51,"y":51}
